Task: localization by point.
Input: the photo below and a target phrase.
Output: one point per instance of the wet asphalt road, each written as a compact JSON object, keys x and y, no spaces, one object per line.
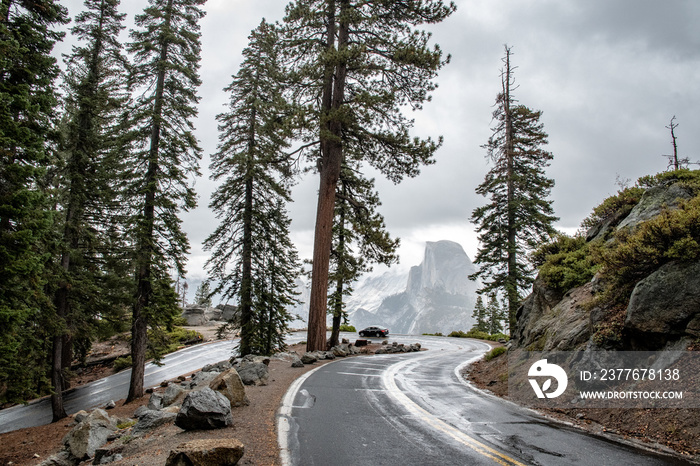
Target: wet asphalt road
{"x":414,"y":409}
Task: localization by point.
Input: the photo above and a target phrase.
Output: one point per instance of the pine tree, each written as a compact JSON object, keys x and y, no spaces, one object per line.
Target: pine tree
{"x":357,"y":63}
{"x":494,"y":315}
{"x":94,"y":82}
{"x":275,"y":283}
{"x":164,"y":156}
{"x":359,"y":239}
{"x":518,"y":215}
{"x":252,"y":257}
{"x":202,"y":297}
{"x":481,"y":316}
{"x":27,"y":119}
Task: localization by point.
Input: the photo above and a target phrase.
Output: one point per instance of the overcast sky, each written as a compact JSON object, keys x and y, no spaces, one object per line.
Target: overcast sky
{"x":607,"y":74}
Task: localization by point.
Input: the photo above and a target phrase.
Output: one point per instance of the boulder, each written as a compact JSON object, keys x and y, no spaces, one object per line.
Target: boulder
{"x":108,"y":454}
{"x":90,"y":434}
{"x":308,"y":358}
{"x":202,"y":379}
{"x":339,"y":352}
{"x":212,"y":313}
{"x":665,"y":306}
{"x":206,"y":452}
{"x":204,"y":409}
{"x":296,"y":362}
{"x":194,"y":316}
{"x":361,"y":342}
{"x":221,"y":366}
{"x":172,"y":394}
{"x":155,"y":402}
{"x":150,"y":420}
{"x":254,"y":373}
{"x":230,"y":385}
{"x":62,"y":458}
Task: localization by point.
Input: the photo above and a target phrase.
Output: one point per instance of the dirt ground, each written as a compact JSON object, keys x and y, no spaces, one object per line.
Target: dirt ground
{"x":663,"y":429}
{"x":254,"y":425}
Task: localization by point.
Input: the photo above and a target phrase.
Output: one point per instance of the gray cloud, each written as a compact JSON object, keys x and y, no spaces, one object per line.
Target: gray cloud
{"x":608,"y":75}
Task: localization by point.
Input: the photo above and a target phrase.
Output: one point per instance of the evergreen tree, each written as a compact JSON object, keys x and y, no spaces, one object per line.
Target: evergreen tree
{"x":202,"y":297}
{"x":253,"y":259}
{"x":357,"y":63}
{"x":357,"y":225}
{"x":27,"y":119}
{"x":518,"y":215}
{"x":164,"y":155}
{"x":494,"y":315}
{"x":95,"y":82}
{"x":481,"y":316}
{"x":275,"y":283}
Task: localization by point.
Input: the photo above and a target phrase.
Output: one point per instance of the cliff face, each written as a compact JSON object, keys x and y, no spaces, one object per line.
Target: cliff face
{"x":437,"y":297}
{"x":664,"y":304}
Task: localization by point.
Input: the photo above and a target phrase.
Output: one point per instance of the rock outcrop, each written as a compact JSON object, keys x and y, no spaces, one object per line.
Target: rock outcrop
{"x":664,"y":307}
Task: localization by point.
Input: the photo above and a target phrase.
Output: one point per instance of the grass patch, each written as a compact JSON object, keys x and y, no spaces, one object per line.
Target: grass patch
{"x":494,"y":353}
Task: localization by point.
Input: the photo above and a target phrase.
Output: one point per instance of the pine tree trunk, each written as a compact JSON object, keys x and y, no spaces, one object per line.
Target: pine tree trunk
{"x":331,"y":160}
{"x":247,"y":324}
{"x":512,"y":280}
{"x":144,"y":291}
{"x":247,"y":317}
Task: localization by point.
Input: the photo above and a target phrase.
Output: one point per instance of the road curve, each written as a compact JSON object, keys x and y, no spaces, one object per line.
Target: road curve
{"x":116,"y":387}
{"x":415,"y":409}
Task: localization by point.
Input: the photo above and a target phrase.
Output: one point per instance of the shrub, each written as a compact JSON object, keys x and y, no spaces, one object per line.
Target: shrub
{"x":122,"y":363}
{"x":478,"y":334}
{"x":436,"y":334}
{"x":621,"y":203}
{"x":565,"y":263}
{"x":497,"y":351}
{"x":347,"y":328}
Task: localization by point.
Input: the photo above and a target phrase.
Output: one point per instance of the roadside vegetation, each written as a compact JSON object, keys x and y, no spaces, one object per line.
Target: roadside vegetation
{"x":621,"y":258}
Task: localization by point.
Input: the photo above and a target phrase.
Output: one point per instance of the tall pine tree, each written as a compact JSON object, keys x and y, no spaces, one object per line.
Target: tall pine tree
{"x":164,"y":158}
{"x":357,"y":63}
{"x":95,"y":85}
{"x":253,"y":260}
{"x":27,"y":121}
{"x":519,"y":215}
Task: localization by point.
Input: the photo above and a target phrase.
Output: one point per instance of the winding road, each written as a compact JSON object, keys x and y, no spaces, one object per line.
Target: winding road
{"x":415,"y":409}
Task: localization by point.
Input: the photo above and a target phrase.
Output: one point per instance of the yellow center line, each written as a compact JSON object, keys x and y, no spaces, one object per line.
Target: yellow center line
{"x":440,"y":425}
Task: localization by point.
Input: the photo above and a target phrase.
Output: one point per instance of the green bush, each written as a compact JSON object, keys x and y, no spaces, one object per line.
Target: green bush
{"x":436,"y":334}
{"x":621,"y":203}
{"x":673,"y":235}
{"x":347,"y":328}
{"x":497,"y":351}
{"x":479,"y":335}
{"x":565,"y":263}
{"x":122,"y":363}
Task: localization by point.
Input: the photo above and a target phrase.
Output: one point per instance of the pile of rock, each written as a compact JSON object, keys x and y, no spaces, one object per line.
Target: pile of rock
{"x":203,"y":402}
{"x":339,"y":351}
{"x":397,"y":348}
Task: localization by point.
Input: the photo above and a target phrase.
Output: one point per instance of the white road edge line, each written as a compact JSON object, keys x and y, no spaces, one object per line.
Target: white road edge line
{"x":285,"y":412}
{"x":438,"y":424}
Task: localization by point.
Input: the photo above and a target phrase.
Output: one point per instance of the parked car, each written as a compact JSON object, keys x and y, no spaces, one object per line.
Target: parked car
{"x":374,"y":332}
